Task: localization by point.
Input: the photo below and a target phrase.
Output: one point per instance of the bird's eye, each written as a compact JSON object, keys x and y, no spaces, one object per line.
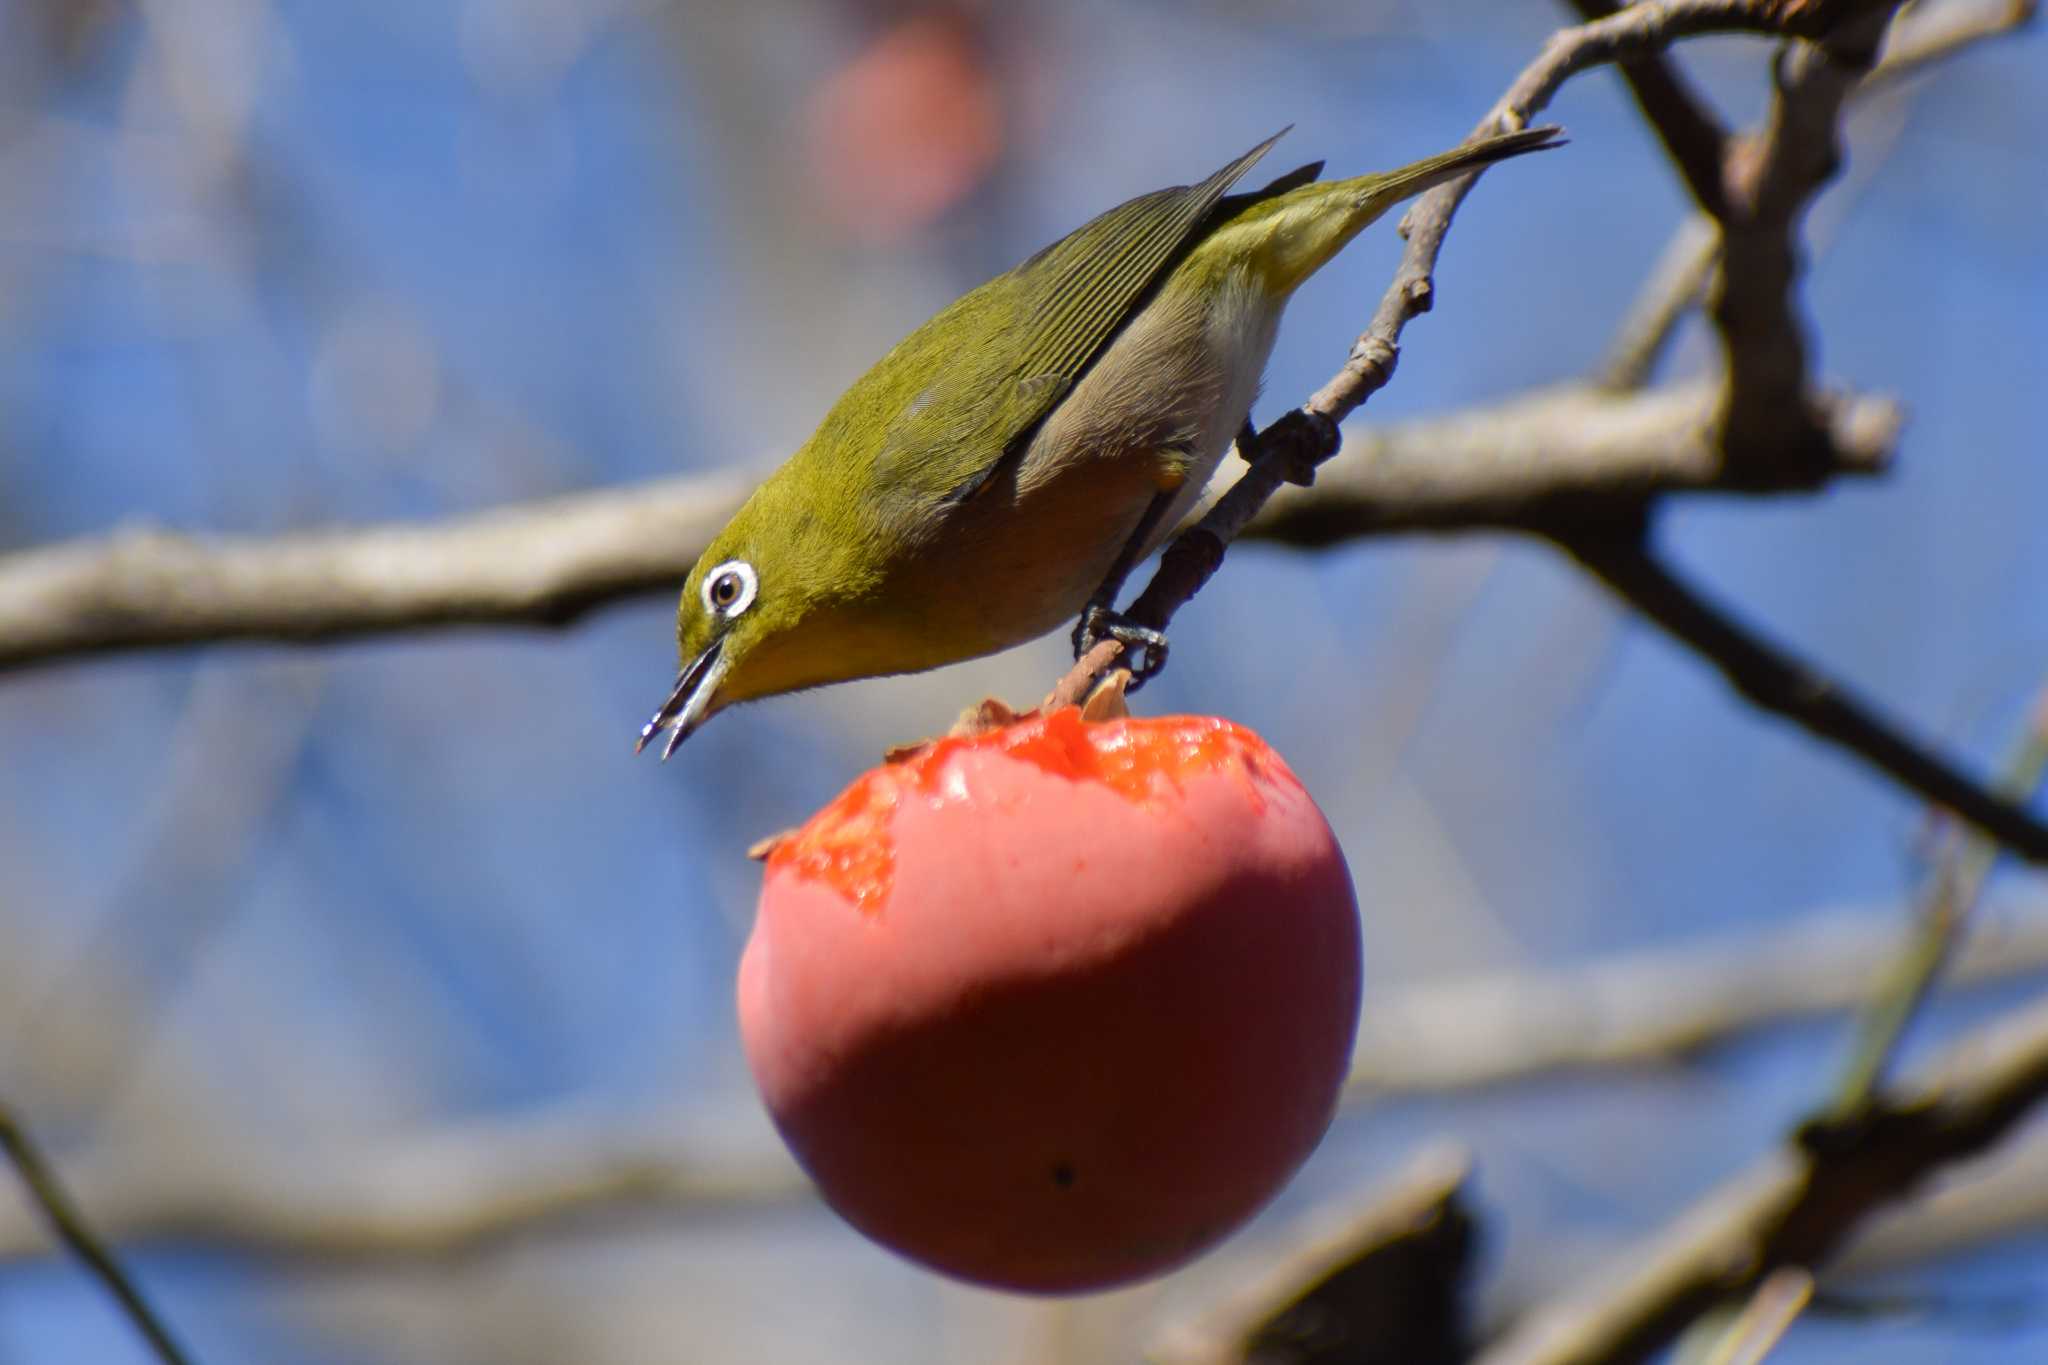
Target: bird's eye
{"x":729,"y":588}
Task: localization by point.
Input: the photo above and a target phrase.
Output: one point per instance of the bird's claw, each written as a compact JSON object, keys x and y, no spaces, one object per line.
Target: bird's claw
{"x":1144,"y":648}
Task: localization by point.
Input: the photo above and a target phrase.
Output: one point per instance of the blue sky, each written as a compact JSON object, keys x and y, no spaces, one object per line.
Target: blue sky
{"x":278,"y":266}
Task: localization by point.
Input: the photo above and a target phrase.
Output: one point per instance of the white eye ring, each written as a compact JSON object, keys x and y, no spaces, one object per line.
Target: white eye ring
{"x":729,"y":589}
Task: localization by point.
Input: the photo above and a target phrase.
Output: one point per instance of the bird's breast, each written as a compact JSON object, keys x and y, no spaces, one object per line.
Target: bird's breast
{"x":1155,"y":413}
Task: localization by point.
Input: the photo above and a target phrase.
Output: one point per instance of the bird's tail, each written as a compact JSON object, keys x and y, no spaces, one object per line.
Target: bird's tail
{"x":1299,"y":231}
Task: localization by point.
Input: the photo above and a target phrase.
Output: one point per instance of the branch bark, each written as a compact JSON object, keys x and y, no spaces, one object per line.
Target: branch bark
{"x":2003,"y":1195}
{"x":1652,"y":1008}
{"x":1795,"y":1206}
{"x":1378,"y":1283}
{"x":65,"y":1219}
{"x":439,"y":1195}
{"x":1291,"y":449}
{"x":1775,"y":681}
{"x":542,"y":564}
{"x":1692,"y":136}
{"x":451,"y":1192}
{"x":1567,"y":453}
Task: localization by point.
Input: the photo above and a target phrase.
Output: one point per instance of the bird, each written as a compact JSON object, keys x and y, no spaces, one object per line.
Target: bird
{"x":1004,"y":466}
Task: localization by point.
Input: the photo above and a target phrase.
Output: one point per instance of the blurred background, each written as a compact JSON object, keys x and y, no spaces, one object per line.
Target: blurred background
{"x":319,"y":941}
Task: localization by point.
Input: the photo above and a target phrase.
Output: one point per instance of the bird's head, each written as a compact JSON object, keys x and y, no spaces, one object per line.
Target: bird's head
{"x":775,"y":603}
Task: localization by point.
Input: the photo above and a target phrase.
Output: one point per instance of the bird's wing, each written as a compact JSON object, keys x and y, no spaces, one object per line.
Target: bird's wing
{"x":1074,"y":296}
{"x":1085,"y":285}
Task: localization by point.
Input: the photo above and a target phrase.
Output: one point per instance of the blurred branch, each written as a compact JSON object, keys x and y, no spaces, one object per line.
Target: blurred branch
{"x":1552,"y":459}
{"x":2001,"y":1195}
{"x":231,"y":746}
{"x":1378,"y":1283}
{"x":1922,"y":35}
{"x":1961,"y":869}
{"x":544,"y":563}
{"x":1673,"y":290}
{"x":1969,"y":1206}
{"x":1290,"y":450}
{"x":1562,"y":453}
{"x":1862,"y":1150}
{"x":1794,"y":1206}
{"x":1649,"y":1008}
{"x":452,"y":1191}
{"x":1775,"y":681}
{"x":552,"y":563}
{"x":1929,"y":32}
{"x":1770,"y":424}
{"x":444,"y":1194}
{"x":1762,"y":1324}
{"x":1769,"y":179}
{"x":49,"y":1195}
{"x":1692,"y":136}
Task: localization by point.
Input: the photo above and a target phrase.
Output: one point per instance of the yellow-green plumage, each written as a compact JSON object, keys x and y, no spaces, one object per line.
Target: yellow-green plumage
{"x":973,"y":489}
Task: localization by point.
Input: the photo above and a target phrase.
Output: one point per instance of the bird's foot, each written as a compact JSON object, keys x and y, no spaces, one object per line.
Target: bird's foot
{"x":1144,"y":647}
{"x":1304,"y":439}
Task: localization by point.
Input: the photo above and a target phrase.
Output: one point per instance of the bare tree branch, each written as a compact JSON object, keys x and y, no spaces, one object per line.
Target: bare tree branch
{"x":1673,"y":290}
{"x":452,"y":1191}
{"x":547,"y":563}
{"x":1544,"y":462}
{"x":1771,"y":423}
{"x":1637,"y":1009}
{"x":541,"y":564}
{"x":1764,"y":1320}
{"x":1649,"y":1008}
{"x":1854,"y":1119}
{"x":1771,"y":177}
{"x":49,"y":1194}
{"x":1290,"y":450}
{"x":1961,"y":868}
{"x":1793,"y":1207}
{"x":1775,"y":681}
{"x":1929,"y":33}
{"x":1921,"y":35}
{"x":1691,"y":134}
{"x":1968,"y":1206}
{"x":1377,"y":1283}
{"x":443,"y":1194}
{"x":2000,"y":1195}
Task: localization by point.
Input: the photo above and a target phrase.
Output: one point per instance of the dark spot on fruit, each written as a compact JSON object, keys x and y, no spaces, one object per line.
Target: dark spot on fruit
{"x":1063,"y":1174}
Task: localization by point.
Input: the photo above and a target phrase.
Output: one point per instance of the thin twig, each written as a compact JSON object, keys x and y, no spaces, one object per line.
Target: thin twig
{"x":1961,"y":870}
{"x":1921,"y":36}
{"x":1074,"y":685}
{"x":1794,"y":1206}
{"x":1692,"y":136}
{"x":1675,"y":287}
{"x":1764,"y":1320}
{"x":1927,"y":33}
{"x":49,"y":1194}
{"x":1307,"y":436}
{"x":1774,"y":680}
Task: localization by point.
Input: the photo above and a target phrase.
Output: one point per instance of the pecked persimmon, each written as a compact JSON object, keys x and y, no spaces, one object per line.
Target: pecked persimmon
{"x":1059,"y":1005}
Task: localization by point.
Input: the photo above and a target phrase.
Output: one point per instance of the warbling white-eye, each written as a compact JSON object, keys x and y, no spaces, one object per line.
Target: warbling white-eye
{"x":1002,"y":469}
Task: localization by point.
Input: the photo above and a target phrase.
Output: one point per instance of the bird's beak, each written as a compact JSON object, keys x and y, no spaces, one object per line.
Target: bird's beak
{"x":690,"y":703}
